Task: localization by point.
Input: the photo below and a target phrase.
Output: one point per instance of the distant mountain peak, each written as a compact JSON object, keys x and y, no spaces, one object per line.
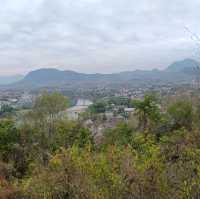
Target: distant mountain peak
{"x":45,"y":76}
{"x":179,"y":71}
{"x":183,"y":65}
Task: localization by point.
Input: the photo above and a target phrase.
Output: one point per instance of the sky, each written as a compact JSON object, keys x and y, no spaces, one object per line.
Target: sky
{"x":96,"y":36}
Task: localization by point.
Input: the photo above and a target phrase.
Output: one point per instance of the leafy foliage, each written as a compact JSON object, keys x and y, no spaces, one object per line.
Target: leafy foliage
{"x":181,"y":113}
{"x":129,"y":163}
{"x":98,"y":107}
{"x":147,"y":111}
{"x":9,"y":136}
{"x":6,"y":110}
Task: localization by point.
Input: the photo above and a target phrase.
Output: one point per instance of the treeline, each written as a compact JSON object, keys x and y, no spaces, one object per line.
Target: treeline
{"x":153,"y":155}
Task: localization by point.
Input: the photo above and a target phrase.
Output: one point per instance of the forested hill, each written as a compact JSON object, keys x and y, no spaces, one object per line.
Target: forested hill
{"x":183,"y":66}
{"x":181,"y":71}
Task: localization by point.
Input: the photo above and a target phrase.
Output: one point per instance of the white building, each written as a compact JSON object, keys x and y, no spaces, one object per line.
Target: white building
{"x":80,"y":107}
{"x":83,"y":102}
{"x":74,"y":112}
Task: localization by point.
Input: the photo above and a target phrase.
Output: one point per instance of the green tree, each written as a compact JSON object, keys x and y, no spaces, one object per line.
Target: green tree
{"x":121,"y":135}
{"x":98,"y":107}
{"x":181,"y":113}
{"x":9,"y":136}
{"x":84,"y":138}
{"x":50,"y":104}
{"x":147,"y":111}
{"x":47,"y":108}
{"x":6,"y":110}
{"x":40,"y":123}
{"x":69,"y":133}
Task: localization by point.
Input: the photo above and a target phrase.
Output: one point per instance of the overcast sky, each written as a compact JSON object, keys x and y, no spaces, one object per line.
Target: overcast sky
{"x":96,"y":35}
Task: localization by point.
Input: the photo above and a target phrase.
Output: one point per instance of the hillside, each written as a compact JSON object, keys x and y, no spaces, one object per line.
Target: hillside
{"x":177,"y":72}
{"x":186,"y":65}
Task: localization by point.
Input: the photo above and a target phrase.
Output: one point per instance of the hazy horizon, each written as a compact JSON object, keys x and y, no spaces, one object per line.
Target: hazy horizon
{"x":96,"y":36}
{"x":61,"y":69}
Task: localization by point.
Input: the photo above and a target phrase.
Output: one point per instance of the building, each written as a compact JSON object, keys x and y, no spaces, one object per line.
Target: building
{"x":74,"y":112}
{"x":81,"y":106}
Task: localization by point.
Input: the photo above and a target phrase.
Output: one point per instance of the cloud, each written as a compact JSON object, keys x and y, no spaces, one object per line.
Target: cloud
{"x":95,"y":35}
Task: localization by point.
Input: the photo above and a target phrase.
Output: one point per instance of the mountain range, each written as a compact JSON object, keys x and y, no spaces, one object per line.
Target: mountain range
{"x":177,"y":72}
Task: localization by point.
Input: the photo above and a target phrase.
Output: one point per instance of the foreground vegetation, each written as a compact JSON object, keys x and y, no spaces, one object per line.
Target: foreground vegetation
{"x":155,"y":155}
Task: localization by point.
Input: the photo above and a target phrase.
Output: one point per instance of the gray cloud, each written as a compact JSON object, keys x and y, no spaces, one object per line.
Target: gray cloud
{"x":96,"y":35}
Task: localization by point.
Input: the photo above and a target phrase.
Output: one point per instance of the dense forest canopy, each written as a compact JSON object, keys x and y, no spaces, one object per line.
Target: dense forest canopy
{"x":154,"y":154}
